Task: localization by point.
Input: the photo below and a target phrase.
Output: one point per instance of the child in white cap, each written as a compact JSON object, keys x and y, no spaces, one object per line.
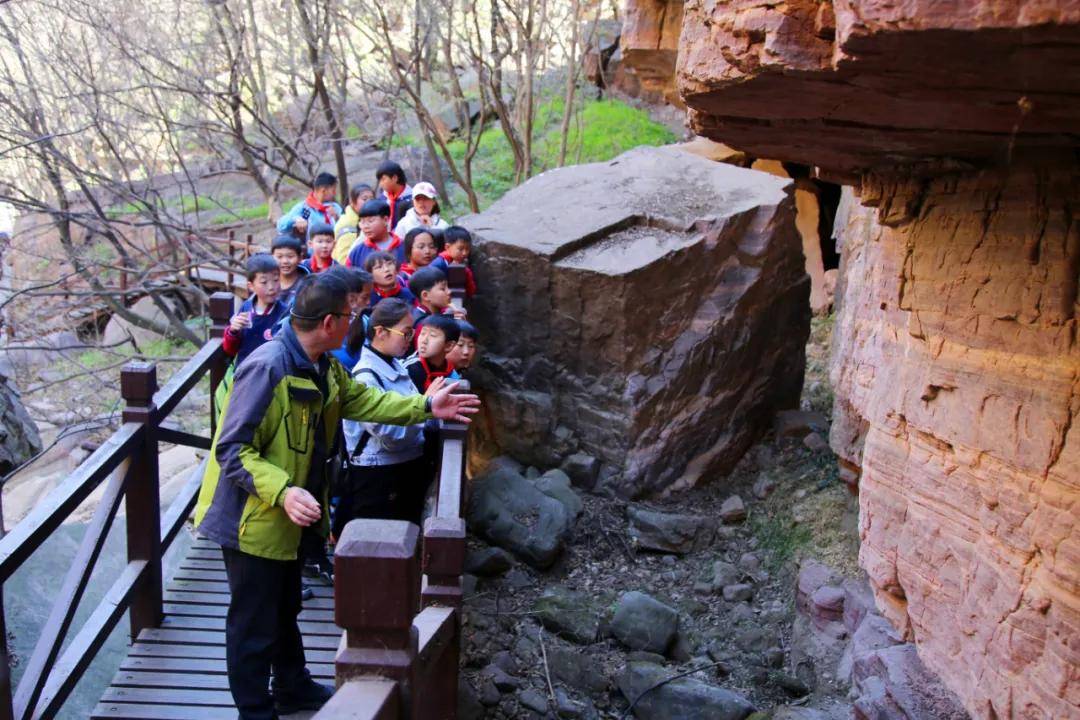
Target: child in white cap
{"x":424,"y":211}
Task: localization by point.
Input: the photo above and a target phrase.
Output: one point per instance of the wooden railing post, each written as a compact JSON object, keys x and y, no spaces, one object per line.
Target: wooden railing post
{"x":229,"y":274}
{"x":142,"y":501}
{"x":375,"y":579}
{"x":455,"y":278}
{"x":221,"y":311}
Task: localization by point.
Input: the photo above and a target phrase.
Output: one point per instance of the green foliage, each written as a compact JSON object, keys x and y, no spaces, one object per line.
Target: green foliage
{"x":249,"y":213}
{"x":602,"y":130}
{"x":781,"y":537}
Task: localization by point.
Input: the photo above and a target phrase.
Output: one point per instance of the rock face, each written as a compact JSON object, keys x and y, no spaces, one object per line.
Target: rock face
{"x":650,"y":45}
{"x":956,"y":366}
{"x":650,"y":312}
{"x":19,"y":438}
{"x":867,"y":84}
{"x":957,"y":375}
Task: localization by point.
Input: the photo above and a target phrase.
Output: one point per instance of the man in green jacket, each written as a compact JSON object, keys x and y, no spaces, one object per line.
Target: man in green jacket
{"x":265,"y":481}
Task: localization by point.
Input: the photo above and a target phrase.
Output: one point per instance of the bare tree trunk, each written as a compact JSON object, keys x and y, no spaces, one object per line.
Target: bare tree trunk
{"x":571,"y":82}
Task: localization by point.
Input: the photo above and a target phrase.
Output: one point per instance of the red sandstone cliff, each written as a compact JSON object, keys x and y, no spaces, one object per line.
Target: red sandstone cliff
{"x":956,"y":363}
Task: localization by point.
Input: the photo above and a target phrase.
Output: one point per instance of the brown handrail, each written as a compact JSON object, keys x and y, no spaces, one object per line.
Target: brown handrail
{"x":400,"y":608}
{"x":51,"y":675}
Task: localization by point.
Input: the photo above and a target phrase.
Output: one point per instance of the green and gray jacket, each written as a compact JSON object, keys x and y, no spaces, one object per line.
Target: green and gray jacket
{"x":279,"y":423}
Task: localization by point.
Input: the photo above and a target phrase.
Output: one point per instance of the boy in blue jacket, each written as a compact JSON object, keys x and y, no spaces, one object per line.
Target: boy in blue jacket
{"x":318,"y":205}
{"x":255,"y":322}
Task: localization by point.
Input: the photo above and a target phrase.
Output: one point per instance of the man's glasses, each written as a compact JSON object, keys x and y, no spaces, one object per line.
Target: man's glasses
{"x":351,"y":315}
{"x":407,"y":333}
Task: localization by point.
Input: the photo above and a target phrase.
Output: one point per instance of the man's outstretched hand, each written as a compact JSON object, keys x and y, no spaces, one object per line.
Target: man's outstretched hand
{"x":447,"y":406}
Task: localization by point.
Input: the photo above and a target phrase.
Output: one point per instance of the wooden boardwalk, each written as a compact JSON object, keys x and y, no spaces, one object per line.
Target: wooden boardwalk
{"x":177,"y":671}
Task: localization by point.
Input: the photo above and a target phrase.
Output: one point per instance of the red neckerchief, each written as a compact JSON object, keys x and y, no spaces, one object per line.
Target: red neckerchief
{"x":395,"y":241}
{"x":391,"y":200}
{"x":430,"y":374}
{"x":391,"y":293}
{"x":407,"y":269}
{"x":317,"y":268}
{"x":445,"y":255}
{"x":315,"y":204}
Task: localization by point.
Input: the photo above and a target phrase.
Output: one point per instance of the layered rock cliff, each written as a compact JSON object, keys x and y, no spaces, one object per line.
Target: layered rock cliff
{"x":956,"y":362}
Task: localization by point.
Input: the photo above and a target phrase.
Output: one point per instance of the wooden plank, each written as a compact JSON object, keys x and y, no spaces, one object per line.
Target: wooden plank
{"x":201,"y":574}
{"x":363,"y":700}
{"x":134,"y":711}
{"x":205,"y":553}
{"x":170,"y":680}
{"x":160,"y":696}
{"x":176,"y":596}
{"x":186,"y":598}
{"x":220,"y":611}
{"x":198,"y":622}
{"x":199,"y":564}
{"x":202,"y":637}
{"x":212,"y":652}
{"x":198,"y":666}
{"x":197,"y":586}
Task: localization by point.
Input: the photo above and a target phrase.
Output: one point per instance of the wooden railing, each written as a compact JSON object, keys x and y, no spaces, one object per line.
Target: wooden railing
{"x":399,"y":607}
{"x":399,"y":601}
{"x":128,"y":464}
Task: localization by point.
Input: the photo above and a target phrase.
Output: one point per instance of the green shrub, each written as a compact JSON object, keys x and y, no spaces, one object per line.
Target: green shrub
{"x":605,"y":128}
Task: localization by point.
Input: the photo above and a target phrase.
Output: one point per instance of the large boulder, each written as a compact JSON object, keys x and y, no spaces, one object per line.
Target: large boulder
{"x":508,"y":511}
{"x":651,"y":309}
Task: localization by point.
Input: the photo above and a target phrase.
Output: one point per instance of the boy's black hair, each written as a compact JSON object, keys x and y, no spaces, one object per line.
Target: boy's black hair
{"x":387,"y":314}
{"x":455,"y":233}
{"x":410,"y":238}
{"x":355,"y":191}
{"x":324,"y":179}
{"x":318,"y":227}
{"x":445,"y":323}
{"x":424,"y":279}
{"x":316,"y":297}
{"x":374,"y":208}
{"x":354,"y":278}
{"x":285,"y":242}
{"x":390,"y":167}
{"x":468,"y":330}
{"x":260,"y":263}
{"x":378,"y":257}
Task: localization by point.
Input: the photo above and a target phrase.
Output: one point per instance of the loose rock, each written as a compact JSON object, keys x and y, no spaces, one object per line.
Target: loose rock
{"x":510,"y":512}
{"x":642,"y":622}
{"x":733,"y":510}
{"x":738,"y":593}
{"x":682,"y":699}
{"x":568,"y":614}
{"x":556,"y":484}
{"x":669,"y":532}
{"x":489,"y":562}
{"x":582,"y":469}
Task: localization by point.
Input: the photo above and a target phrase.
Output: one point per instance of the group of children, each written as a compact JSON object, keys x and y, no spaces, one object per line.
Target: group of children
{"x":405,"y":334}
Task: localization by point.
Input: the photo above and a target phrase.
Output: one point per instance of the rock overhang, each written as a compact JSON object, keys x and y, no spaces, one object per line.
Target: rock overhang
{"x":857,"y":85}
